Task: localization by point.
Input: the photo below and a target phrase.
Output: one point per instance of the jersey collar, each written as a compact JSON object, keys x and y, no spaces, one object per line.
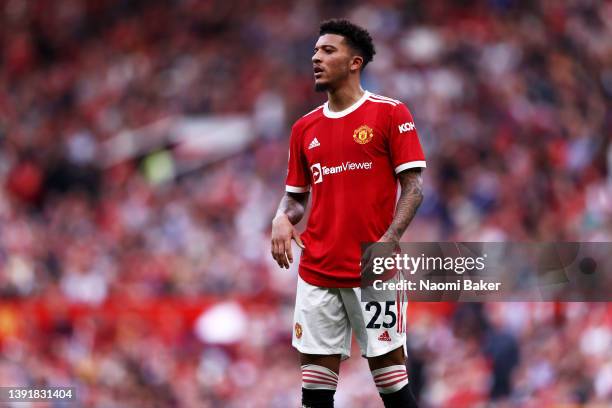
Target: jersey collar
{"x":342,"y":113}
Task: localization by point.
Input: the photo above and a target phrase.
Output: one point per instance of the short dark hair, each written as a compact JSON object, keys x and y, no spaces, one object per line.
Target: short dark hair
{"x":357,"y":37}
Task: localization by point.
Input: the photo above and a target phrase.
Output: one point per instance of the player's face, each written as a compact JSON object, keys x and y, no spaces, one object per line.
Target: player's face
{"x":331,"y":61}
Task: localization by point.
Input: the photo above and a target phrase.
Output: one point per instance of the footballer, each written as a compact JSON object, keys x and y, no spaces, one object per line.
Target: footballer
{"x":349,"y":153}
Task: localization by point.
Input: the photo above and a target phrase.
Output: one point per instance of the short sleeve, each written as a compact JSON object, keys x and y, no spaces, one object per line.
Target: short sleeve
{"x":406,"y":151}
{"x":298,"y":180}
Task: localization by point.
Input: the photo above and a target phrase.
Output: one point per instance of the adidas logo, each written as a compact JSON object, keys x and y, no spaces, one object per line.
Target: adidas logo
{"x":314,"y":143}
{"x":385,"y":336}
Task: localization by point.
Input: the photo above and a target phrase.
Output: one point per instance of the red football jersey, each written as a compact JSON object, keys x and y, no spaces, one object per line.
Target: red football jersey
{"x":349,"y":161}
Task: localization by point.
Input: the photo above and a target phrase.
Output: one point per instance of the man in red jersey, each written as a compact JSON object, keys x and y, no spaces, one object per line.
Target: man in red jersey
{"x":350,"y":153}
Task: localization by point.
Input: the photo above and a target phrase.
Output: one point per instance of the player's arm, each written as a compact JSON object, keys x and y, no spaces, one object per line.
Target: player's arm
{"x":408,"y":161}
{"x":411,"y":196}
{"x":290,"y":211}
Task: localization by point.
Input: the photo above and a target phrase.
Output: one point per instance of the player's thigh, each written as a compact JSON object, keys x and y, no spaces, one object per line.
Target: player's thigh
{"x":393,"y":357}
{"x":320,"y":322}
{"x":379,"y":326}
{"x":329,"y":361}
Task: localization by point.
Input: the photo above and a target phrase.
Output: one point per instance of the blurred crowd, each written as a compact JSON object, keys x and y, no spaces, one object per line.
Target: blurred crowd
{"x":512,"y":103}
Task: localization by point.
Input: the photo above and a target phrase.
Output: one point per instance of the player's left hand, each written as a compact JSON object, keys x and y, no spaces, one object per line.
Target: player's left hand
{"x":389,"y":249}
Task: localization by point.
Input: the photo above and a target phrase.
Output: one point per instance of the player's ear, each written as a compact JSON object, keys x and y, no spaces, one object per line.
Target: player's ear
{"x":356,"y":63}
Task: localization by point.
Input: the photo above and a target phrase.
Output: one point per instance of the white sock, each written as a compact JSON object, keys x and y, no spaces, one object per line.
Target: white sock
{"x":390,"y":379}
{"x":316,"y":377}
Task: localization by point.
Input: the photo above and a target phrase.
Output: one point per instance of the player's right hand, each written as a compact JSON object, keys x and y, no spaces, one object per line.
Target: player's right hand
{"x":282,"y":234}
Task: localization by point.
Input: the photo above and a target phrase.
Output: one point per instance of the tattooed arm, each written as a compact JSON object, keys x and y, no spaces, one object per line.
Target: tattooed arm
{"x":411,"y":181}
{"x":293,"y":205}
{"x":290,"y":211}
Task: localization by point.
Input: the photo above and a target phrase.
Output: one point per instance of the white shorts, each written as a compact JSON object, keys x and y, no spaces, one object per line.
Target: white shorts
{"x":323,"y":319}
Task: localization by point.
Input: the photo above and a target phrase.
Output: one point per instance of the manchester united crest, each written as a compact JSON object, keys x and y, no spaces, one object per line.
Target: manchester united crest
{"x":298,"y":330}
{"x":363,"y":134}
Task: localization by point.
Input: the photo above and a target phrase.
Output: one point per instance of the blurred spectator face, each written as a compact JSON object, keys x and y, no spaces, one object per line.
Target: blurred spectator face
{"x":333,"y":61}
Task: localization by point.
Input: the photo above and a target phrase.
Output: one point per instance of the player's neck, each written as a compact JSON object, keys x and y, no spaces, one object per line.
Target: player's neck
{"x":344,"y":97}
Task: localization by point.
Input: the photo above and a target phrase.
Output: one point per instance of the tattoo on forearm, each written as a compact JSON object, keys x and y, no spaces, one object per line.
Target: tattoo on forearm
{"x":409,"y":201}
{"x":294,"y":205}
